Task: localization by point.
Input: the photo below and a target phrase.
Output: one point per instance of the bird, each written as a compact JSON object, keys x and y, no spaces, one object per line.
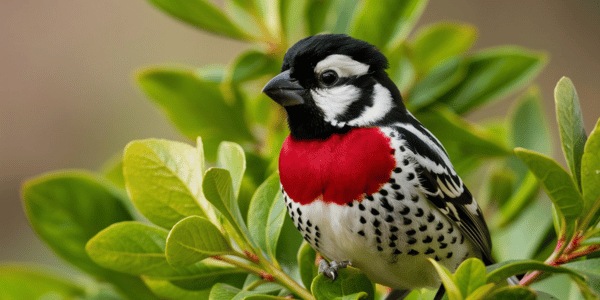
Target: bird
{"x":365,"y":183}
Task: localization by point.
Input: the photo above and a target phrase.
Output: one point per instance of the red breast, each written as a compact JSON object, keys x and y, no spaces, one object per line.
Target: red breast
{"x":339,"y":169}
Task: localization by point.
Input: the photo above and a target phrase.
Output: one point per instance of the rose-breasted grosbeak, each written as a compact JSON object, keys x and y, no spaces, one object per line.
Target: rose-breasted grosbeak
{"x":363,"y":180}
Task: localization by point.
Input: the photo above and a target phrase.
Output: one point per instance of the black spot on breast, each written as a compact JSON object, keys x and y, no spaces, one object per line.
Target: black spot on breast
{"x":378,"y":232}
{"x":437,"y":258}
{"x":450,"y":230}
{"x":374,"y":212}
{"x":299,"y":211}
{"x":299,"y":220}
{"x":420,"y":212}
{"x":422,"y":228}
{"x":392,"y":245}
{"x":397,"y":252}
{"x":399,"y":196}
{"x":350,"y":204}
{"x":378,"y":239}
{"x":411,"y":232}
{"x":376,"y":223}
{"x":443,"y":245}
{"x":389,"y":219}
{"x":405,"y":162}
{"x":370,"y":197}
{"x":385,"y":204}
{"x":361,"y":206}
{"x":430,"y":217}
{"x":402,"y":148}
{"x":361,"y":233}
{"x":427,"y":240}
{"x":393,"y":229}
{"x":441,"y":238}
{"x":395,"y":186}
{"x":393,"y":237}
{"x":308,"y":230}
{"x":429,"y":251}
{"x":308,"y":223}
{"x":414,"y":198}
{"x":379,"y":248}
{"x":397,"y":170}
{"x":439,"y":226}
{"x":413,"y":252}
{"x":453,"y":240}
{"x":362,"y":220}
{"x":412,"y":241}
{"x":405,"y":211}
{"x":406,"y":221}
{"x":383,"y":192}
{"x":449,"y":255}
{"x":318,"y":234}
{"x":410,"y":176}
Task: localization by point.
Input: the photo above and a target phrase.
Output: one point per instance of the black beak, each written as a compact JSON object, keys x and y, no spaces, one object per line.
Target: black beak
{"x":284,"y":90}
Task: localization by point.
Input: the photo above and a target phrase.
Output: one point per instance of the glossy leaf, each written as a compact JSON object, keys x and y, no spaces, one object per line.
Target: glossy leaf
{"x":163,"y":179}
{"x":289,"y":242}
{"x":202,"y":14}
{"x":231,"y":157}
{"x":219,"y":192}
{"x":555,"y":180}
{"x":18,"y":282}
{"x":139,"y":249}
{"x":436,"y":83}
{"x":590,"y":174}
{"x":194,"y":239}
{"x":516,"y":204}
{"x":266,"y":215}
{"x":384,"y":23}
{"x":529,"y":128}
{"x":307,"y":263}
{"x":252,"y":65}
{"x":316,"y":15}
{"x":451,"y":128}
{"x":438,"y":42}
{"x":570,"y":125}
{"x":492,"y":74}
{"x":470,"y":275}
{"x":507,"y":269}
{"x":350,"y":281}
{"x":590,"y":268}
{"x":512,"y":293}
{"x":448,"y":280}
{"x":167,"y":290}
{"x":481,"y":292}
{"x":66,"y":209}
{"x":196,"y":106}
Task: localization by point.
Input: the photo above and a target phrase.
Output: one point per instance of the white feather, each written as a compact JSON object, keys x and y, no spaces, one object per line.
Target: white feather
{"x":382,"y":103}
{"x":343,"y":65}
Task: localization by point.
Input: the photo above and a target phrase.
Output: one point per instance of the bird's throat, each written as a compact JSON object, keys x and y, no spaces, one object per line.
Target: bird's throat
{"x":338,"y":169}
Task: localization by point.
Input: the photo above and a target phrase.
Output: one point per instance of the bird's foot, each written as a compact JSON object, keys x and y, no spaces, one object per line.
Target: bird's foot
{"x":330,"y":269}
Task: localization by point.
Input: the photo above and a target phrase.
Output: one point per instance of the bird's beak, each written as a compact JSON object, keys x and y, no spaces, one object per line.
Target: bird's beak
{"x":284,"y":90}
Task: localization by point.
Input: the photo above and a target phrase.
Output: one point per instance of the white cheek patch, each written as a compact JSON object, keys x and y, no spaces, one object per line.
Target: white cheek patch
{"x":335,"y":101}
{"x":343,"y":65}
{"x":382,"y":104}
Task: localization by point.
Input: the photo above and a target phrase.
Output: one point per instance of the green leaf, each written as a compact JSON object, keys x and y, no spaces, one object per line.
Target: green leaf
{"x":139,"y":249}
{"x":492,"y":74}
{"x":350,"y":281}
{"x":219,"y":192}
{"x":316,"y":15}
{"x":231,"y":157}
{"x":590,"y":174}
{"x":470,"y":275}
{"x":519,"y":201}
{"x":163,"y":180}
{"x":345,"y":11}
{"x":202,"y":14}
{"x":291,"y":19}
{"x":555,"y":180}
{"x":436,"y":83}
{"x":529,"y":128}
{"x":266,"y":215}
{"x":385,"y":23}
{"x":223,"y":292}
{"x":448,"y":280}
{"x":253,"y":64}
{"x":194,"y":239}
{"x":440,"y":41}
{"x":307,"y":263}
{"x":507,"y":269}
{"x":113,"y":171}
{"x":167,"y":290}
{"x":481,"y":292}
{"x":512,"y":293}
{"x":590,"y":268}
{"x":20,"y":282}
{"x":195,"y":105}
{"x":570,"y":124}
{"x":66,"y":209}
{"x":451,"y":128}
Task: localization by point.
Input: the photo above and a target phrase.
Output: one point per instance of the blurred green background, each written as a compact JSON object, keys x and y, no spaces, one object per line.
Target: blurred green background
{"x":68,"y":98}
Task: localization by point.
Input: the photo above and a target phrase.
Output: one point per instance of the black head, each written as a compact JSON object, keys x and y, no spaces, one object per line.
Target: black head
{"x":331,"y":83}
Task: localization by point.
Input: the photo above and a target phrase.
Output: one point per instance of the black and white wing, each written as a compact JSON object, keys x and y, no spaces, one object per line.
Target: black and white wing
{"x":444,"y":188}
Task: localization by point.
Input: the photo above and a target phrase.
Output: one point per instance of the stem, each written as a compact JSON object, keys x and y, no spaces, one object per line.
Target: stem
{"x":286,"y":281}
{"x":240,"y":264}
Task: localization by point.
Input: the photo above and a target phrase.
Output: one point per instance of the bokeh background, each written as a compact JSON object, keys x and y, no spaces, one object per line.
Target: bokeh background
{"x":68,"y":99}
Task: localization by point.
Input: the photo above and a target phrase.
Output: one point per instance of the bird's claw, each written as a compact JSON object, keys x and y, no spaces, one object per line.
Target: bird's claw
{"x":330,"y":269}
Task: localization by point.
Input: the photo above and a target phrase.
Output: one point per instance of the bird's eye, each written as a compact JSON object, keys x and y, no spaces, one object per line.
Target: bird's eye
{"x":328,"y":77}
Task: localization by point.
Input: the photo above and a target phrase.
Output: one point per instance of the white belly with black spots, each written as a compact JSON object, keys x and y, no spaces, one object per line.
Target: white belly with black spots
{"x":389,"y":235}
